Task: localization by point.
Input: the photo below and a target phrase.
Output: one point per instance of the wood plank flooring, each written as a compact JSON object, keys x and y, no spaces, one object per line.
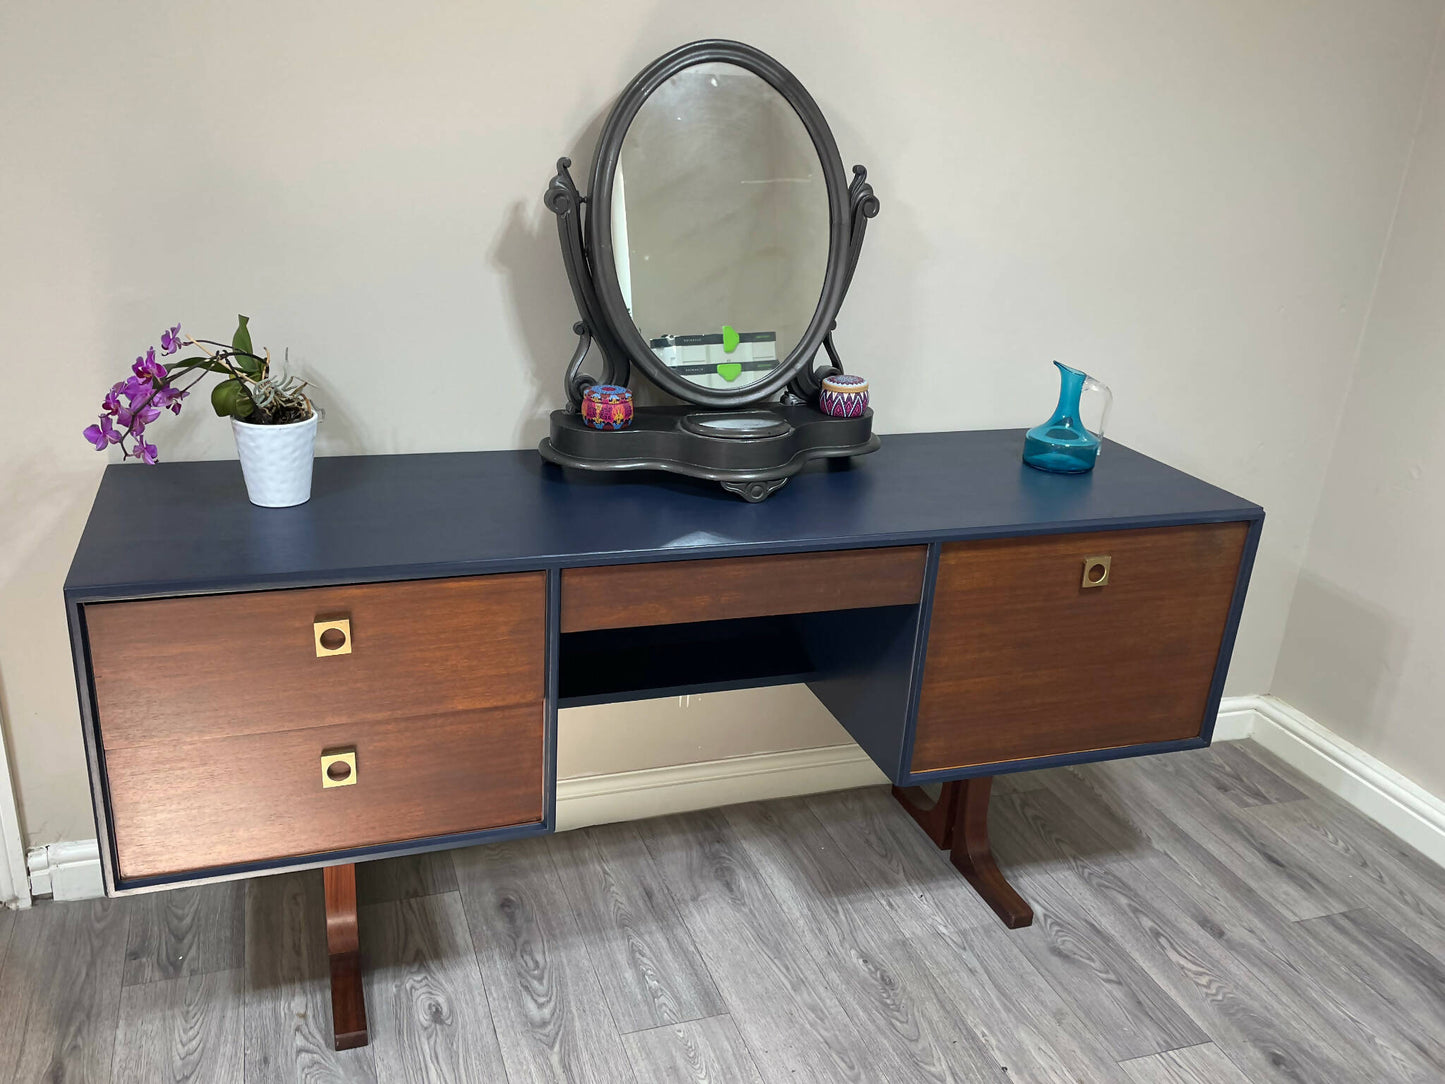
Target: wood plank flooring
{"x":1202,"y":918}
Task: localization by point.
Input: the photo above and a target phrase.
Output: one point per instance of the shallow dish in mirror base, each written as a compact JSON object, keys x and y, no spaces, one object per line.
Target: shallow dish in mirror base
{"x":671,"y":438}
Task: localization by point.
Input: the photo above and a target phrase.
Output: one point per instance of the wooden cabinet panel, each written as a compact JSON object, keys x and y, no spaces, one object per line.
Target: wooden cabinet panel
{"x":1025,"y":661}
{"x":196,"y":805}
{"x":675,"y":592}
{"x":212,"y":665}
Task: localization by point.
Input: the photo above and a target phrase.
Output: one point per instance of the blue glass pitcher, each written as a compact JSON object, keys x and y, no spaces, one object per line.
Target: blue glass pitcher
{"x":1064,"y":444}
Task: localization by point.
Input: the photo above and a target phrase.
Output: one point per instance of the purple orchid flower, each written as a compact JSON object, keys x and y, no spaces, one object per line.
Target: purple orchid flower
{"x":144,"y":409}
{"x":169,"y":398}
{"x":111,"y":402}
{"x":138,"y":401}
{"x":148,"y":367}
{"x":137,"y":391}
{"x":102,"y":435}
{"x":145,"y":413}
{"x":135,"y":402}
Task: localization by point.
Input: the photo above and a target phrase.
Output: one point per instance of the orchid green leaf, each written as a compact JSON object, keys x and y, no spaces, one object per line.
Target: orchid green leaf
{"x":230,"y":398}
{"x":242,"y":339}
{"x":187,"y":364}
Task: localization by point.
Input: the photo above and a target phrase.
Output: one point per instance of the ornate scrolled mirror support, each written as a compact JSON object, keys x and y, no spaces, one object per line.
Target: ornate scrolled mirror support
{"x":863,"y":205}
{"x":711,"y":255}
{"x":564,"y":201}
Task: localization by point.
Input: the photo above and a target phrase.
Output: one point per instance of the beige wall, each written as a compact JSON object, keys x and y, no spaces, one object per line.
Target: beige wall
{"x":1189,"y":199}
{"x":1364,"y":652}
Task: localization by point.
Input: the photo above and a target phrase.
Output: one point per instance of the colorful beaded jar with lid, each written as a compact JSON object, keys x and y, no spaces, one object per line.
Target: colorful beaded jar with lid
{"x":843,"y":396}
{"x":607,"y":406}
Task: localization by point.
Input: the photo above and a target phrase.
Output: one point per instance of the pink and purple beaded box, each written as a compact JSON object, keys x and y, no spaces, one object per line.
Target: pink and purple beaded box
{"x":607,"y":406}
{"x":843,"y":396}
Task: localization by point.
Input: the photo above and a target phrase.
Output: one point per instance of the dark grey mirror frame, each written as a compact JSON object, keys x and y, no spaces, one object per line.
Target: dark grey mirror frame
{"x":588,"y":253}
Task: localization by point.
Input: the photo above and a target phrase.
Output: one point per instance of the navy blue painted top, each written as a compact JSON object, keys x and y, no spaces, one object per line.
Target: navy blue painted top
{"x":187,"y":527}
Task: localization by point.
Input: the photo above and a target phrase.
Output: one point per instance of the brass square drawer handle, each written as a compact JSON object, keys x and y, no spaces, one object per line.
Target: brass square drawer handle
{"x":333,"y":636}
{"x":338,"y":768}
{"x":1096,"y":571}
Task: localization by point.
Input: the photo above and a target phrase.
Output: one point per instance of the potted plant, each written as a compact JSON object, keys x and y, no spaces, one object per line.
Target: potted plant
{"x":273,"y":419}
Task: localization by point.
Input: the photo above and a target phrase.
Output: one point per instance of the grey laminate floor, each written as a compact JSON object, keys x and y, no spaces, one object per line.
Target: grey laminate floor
{"x":1202,"y":918}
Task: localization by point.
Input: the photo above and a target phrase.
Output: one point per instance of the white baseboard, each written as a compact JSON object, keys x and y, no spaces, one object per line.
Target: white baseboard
{"x":71,"y":871}
{"x":1236,"y":719}
{"x":1397,"y":804}
{"x":14,"y":884}
{"x":66,"y":871}
{"x":655,"y":792}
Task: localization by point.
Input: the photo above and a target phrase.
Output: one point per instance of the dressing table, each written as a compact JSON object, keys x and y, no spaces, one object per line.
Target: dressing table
{"x":378,"y":672}
{"x":411,"y":632}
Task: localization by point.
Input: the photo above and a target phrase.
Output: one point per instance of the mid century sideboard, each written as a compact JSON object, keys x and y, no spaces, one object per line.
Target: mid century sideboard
{"x":378,"y":671}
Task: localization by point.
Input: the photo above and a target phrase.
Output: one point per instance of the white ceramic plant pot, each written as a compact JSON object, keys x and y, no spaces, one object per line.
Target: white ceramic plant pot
{"x":276,"y":461}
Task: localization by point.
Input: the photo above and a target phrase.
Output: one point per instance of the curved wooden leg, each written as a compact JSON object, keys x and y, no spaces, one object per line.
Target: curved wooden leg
{"x":974,"y":857}
{"x":937,"y":818}
{"x":343,"y":945}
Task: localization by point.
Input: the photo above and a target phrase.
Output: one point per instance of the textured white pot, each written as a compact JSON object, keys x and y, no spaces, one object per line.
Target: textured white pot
{"x":276,"y":461}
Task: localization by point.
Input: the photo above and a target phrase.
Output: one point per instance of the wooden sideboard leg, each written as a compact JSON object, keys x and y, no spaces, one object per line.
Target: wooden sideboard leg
{"x":974,"y":857}
{"x":935,"y":819}
{"x":343,"y":945}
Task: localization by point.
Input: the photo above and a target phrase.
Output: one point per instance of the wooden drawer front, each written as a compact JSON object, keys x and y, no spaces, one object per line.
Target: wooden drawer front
{"x":258,"y":797}
{"x":1024,"y":661}
{"x":675,"y":592}
{"x":185,"y":668}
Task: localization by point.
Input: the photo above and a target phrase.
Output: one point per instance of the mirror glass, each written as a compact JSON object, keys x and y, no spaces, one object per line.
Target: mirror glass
{"x":720,"y":225}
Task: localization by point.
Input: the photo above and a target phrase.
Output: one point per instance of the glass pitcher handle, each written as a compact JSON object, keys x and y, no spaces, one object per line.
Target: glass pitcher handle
{"x":1100,"y":401}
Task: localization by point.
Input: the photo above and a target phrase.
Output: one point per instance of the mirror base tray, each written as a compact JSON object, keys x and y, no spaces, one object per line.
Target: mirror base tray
{"x":670,"y":438}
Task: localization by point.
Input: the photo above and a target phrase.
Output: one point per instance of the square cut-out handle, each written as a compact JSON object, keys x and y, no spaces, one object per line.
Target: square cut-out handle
{"x":333,"y":636}
{"x":338,"y":768}
{"x":1096,"y":571}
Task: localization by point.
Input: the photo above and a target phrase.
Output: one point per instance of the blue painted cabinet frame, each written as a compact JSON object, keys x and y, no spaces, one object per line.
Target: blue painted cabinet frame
{"x":187,"y":529}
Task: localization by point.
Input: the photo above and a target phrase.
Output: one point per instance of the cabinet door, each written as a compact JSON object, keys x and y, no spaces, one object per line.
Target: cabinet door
{"x":1033,"y":651}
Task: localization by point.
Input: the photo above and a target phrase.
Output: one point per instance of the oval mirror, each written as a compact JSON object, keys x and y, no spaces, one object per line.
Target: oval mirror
{"x":712,"y":253}
{"x":719,"y":226}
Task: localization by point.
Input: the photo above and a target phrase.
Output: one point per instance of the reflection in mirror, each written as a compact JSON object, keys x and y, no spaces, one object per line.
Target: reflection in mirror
{"x":720,"y":225}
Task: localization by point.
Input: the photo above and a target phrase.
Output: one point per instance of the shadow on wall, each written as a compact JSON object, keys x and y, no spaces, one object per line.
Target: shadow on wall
{"x":7,"y":743}
{"x":339,"y":433}
{"x":1341,"y":659}
{"x":539,"y":297}
{"x":47,"y":509}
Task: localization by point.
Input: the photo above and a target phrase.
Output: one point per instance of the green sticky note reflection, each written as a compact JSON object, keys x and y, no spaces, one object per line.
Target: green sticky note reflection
{"x":730,"y":370}
{"x":730,"y":340}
